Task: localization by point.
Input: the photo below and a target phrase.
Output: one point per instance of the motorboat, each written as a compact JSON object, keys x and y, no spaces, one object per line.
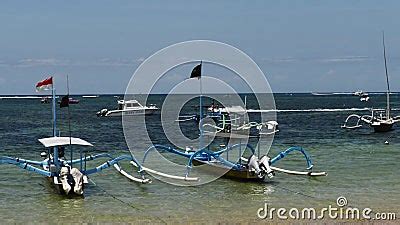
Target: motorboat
{"x":358,"y":93}
{"x":45,"y":100}
{"x":128,"y":108}
{"x":71,"y":101}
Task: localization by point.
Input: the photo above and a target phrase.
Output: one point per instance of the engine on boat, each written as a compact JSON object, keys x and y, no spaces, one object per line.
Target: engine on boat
{"x":71,"y":179}
{"x":264,"y":164}
{"x":260,"y":166}
{"x":102,"y":112}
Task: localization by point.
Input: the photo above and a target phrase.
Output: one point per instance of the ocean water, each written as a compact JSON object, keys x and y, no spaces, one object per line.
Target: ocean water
{"x":360,"y":166}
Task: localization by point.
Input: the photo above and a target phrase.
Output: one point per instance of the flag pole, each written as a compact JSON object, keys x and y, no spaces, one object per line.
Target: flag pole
{"x":69,"y":123}
{"x":53,"y":93}
{"x":55,"y":149}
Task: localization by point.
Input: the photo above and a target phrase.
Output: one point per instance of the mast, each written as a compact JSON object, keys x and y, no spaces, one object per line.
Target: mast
{"x":387,"y":78}
{"x":69,"y":126}
{"x":196,"y":73}
{"x":53,"y":93}
{"x":201,"y":110}
{"x":55,"y":149}
{"x":245,"y":102}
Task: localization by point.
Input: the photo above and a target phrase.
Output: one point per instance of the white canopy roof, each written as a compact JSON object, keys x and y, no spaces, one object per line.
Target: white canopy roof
{"x":127,"y":101}
{"x":59,"y":141}
{"x":234,"y":109}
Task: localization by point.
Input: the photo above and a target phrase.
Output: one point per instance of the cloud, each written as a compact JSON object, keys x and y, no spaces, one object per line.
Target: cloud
{"x":338,"y":59}
{"x":3,"y":63}
{"x":330,"y":72}
{"x":118,"y":62}
{"x":109,"y":62}
{"x":280,"y":60}
{"x":38,"y":62}
{"x":346,"y":59}
{"x":41,"y":62}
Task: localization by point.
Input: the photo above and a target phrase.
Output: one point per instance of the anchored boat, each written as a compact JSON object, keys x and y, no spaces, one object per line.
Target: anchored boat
{"x":254,"y":167}
{"x":71,"y":101}
{"x":380,"y":120}
{"x":128,"y":108}
{"x":229,"y":120}
{"x":69,"y":177}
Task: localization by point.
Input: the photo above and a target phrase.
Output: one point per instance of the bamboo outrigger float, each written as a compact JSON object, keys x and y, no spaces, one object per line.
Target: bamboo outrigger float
{"x":67,"y":178}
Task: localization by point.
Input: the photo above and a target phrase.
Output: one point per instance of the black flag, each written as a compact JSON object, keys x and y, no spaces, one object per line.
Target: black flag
{"x":196,"y":72}
{"x":64,"y":101}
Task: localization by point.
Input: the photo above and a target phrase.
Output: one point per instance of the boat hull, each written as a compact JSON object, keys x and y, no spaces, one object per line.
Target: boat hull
{"x":242,"y":174}
{"x":60,"y":190}
{"x":131,"y":112}
{"x":382,"y":127}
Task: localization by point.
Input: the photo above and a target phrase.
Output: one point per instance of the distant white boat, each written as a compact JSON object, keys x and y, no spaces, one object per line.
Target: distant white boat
{"x":90,"y":96}
{"x":128,"y":108}
{"x":321,"y":94}
{"x":363,"y":95}
{"x":45,"y":100}
{"x":364,"y":98}
{"x":358,"y":93}
{"x":20,"y":97}
{"x":230,"y":109}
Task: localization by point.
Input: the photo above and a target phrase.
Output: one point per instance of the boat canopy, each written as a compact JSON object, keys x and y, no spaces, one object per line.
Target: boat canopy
{"x":234,"y":109}
{"x":60,"y":141}
{"x":127,"y":101}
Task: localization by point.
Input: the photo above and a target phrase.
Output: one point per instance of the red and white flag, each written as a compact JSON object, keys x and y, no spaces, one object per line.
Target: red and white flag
{"x":45,"y":85}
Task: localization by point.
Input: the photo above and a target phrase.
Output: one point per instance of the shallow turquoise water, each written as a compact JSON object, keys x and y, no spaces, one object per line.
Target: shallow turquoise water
{"x":359,"y":165}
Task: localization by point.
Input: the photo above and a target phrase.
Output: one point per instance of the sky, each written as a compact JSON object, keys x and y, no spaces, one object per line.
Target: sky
{"x":301,"y":46}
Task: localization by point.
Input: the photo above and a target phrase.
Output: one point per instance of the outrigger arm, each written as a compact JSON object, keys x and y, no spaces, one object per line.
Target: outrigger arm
{"x":282,"y":154}
{"x":25,"y":164}
{"x":28,"y":165}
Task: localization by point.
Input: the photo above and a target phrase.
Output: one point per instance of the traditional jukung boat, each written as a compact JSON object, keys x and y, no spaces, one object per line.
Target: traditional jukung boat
{"x":380,"y":120}
{"x":254,"y":167}
{"x":69,"y":177}
{"x":231,"y":120}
